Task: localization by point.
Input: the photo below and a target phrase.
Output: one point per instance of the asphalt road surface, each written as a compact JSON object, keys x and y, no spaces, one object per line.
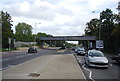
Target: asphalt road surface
{"x":14,"y":58}
{"x":112,"y":73}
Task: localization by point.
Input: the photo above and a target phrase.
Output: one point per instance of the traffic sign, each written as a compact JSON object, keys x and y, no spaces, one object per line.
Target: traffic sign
{"x":99,"y":44}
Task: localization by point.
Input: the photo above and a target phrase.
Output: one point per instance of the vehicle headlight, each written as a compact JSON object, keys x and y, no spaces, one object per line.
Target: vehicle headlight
{"x":105,"y":61}
{"x":91,"y":60}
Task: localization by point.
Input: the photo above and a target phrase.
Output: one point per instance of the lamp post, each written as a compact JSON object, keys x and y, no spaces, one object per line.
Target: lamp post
{"x":99,"y":42}
{"x":35,"y":33}
{"x":99,"y":28}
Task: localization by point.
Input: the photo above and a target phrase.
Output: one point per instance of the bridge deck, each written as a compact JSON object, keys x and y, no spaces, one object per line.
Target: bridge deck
{"x":69,"y":38}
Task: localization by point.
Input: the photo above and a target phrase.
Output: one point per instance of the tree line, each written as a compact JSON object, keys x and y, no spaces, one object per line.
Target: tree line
{"x":23,"y":33}
{"x":106,"y":28}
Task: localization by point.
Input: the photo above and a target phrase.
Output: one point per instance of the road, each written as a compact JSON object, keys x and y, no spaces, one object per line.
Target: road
{"x":14,"y":58}
{"x":92,"y":74}
{"x":95,"y":74}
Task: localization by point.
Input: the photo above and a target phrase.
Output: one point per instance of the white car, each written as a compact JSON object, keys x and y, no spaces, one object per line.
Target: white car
{"x":76,"y":49}
{"x":96,"y":58}
{"x":81,"y":51}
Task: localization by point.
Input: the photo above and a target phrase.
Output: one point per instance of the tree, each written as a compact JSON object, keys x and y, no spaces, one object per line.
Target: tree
{"x":105,"y":25}
{"x":92,"y":27}
{"x":43,"y":35}
{"x":24,"y":32}
{"x":116,"y":36}
{"x":7,"y":32}
{"x":116,"y":32}
{"x":0,"y":30}
{"x":106,"y":28}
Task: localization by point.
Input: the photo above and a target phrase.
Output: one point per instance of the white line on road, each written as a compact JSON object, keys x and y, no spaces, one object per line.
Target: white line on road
{"x":90,"y":72}
{"x":3,"y":68}
{"x":17,"y":56}
{"x":6,"y":67}
{"x":6,"y":59}
{"x":110,"y":64}
{"x":80,"y":61}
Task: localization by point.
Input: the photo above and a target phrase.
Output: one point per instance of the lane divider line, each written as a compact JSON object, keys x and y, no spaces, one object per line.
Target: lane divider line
{"x":90,"y":72}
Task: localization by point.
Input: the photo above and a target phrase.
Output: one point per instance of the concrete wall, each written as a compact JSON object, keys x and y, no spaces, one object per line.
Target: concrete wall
{"x":19,"y":44}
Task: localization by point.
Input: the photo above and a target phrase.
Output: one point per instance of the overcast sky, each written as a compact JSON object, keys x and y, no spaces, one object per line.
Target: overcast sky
{"x":57,"y":17}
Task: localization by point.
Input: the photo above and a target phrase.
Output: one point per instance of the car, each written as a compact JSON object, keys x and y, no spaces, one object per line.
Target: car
{"x":81,"y":51}
{"x":73,"y":48}
{"x":76,"y":49}
{"x":96,"y":58}
{"x":32,"y":50}
{"x":116,"y":58}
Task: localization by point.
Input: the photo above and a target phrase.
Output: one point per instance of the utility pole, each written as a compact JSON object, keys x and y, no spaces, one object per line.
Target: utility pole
{"x":35,"y":33}
{"x":99,"y":29}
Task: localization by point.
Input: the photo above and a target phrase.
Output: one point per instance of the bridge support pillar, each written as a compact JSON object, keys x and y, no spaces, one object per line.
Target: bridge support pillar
{"x":41,"y":43}
{"x":91,"y":44}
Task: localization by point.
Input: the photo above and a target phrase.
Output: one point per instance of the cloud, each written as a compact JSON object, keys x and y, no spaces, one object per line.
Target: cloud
{"x":38,"y":10}
{"x":57,"y":17}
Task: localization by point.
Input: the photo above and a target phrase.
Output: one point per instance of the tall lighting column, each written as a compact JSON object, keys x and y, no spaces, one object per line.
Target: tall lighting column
{"x":35,"y":33}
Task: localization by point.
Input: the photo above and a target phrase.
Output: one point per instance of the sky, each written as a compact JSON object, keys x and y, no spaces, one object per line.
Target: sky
{"x":56,"y":17}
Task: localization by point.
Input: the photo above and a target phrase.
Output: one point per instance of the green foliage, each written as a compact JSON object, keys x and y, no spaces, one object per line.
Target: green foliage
{"x":0,"y":29}
{"x":43,"y":35}
{"x":109,"y":25}
{"x":24,"y":32}
{"x":116,"y":36}
{"x":7,"y":32}
{"x":92,"y":27}
{"x":69,"y":45}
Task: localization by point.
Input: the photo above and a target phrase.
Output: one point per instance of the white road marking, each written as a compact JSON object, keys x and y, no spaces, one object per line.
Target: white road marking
{"x":12,"y":58}
{"x":30,"y":54}
{"x":6,"y":59}
{"x":17,"y":57}
{"x":80,"y":61}
{"x":10,"y":65}
{"x":90,"y":72}
{"x":3,"y":68}
{"x":22,"y":56}
{"x":110,"y":64}
{"x":6,"y":67}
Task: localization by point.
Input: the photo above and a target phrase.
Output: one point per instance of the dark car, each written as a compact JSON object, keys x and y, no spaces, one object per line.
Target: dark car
{"x":32,"y":50}
{"x":116,"y":58}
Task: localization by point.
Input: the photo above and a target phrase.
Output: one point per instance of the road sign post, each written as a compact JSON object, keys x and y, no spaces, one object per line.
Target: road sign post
{"x":14,"y":43}
{"x":9,"y":42}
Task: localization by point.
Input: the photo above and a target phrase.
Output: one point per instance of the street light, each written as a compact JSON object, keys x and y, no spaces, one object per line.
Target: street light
{"x":35,"y":33}
{"x":99,"y":29}
{"x":99,"y":26}
{"x":99,"y":42}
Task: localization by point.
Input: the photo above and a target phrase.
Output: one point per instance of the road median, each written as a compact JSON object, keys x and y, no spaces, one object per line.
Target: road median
{"x":46,"y":67}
